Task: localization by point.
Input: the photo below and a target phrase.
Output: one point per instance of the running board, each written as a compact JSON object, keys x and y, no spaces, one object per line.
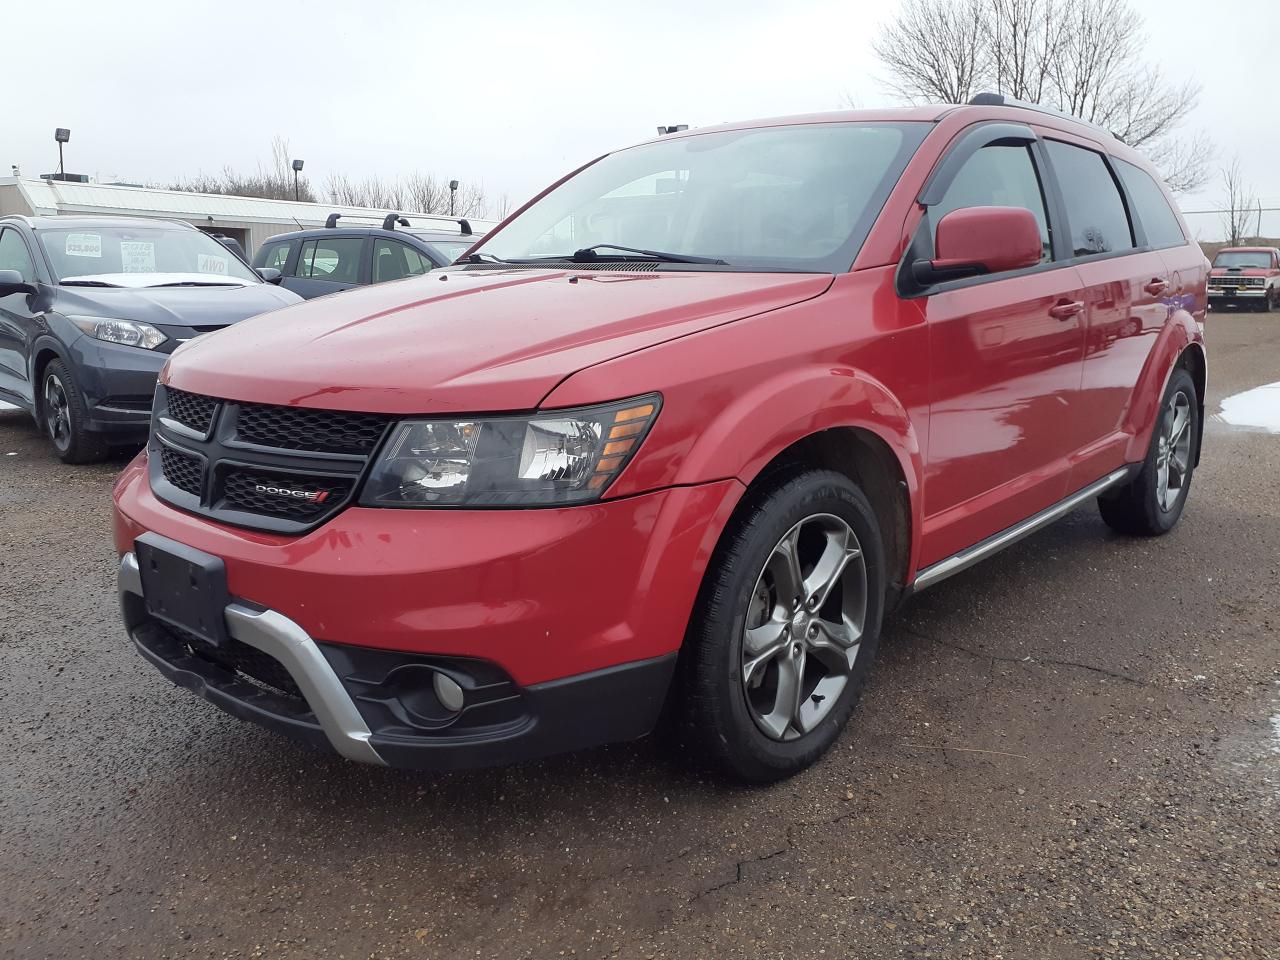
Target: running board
{"x":967,"y":557}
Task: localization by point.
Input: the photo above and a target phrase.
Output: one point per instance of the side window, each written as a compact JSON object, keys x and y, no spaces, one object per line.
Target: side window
{"x":1152,"y":207}
{"x":1095,"y":209}
{"x":15,"y":256}
{"x":274,"y":255}
{"x":336,"y":259}
{"x":393,"y":260}
{"x":998,"y":176}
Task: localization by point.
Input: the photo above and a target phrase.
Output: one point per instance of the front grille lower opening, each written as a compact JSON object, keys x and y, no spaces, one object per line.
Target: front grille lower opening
{"x":240,"y":658}
{"x":182,"y":470}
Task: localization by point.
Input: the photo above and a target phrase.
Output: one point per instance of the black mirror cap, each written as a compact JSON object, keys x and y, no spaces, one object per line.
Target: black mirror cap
{"x":11,"y":282}
{"x":270,"y":274}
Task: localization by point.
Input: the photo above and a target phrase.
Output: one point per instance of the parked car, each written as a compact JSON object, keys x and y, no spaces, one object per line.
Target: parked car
{"x":1246,"y":276}
{"x":341,"y":256}
{"x":678,"y":434}
{"x":92,"y":307}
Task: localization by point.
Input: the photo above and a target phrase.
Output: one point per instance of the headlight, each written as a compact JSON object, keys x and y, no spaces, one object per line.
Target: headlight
{"x":562,"y":456}
{"x":128,"y":332}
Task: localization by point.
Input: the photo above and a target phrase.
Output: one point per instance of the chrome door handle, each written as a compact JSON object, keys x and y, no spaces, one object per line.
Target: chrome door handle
{"x":1066,"y":309}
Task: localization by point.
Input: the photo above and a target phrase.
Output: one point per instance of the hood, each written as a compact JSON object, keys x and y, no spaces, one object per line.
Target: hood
{"x":175,"y":306}
{"x":1241,"y":272}
{"x":467,"y":341}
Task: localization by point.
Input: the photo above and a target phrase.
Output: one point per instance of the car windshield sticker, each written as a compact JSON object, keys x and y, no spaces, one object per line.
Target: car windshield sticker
{"x":210,"y":263}
{"x":84,"y":245}
{"x":137,"y":256}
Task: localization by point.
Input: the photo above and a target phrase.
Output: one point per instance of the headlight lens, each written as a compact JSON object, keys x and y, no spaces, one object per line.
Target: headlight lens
{"x":128,"y":332}
{"x":564,"y":456}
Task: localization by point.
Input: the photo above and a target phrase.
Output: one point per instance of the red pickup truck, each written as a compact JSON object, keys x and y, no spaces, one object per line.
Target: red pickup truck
{"x":675,"y":436}
{"x":1246,"y":276}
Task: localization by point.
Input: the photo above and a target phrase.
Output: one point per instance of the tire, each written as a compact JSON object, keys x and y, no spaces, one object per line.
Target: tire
{"x":1144,"y":506}
{"x":730,"y":694}
{"x":63,"y":414}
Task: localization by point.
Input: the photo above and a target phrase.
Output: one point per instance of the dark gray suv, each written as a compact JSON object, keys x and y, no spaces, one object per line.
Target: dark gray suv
{"x":91,"y":308}
{"x":337,"y":257}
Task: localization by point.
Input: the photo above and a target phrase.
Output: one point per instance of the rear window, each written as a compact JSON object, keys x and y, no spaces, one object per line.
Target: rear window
{"x":1159,"y":222}
{"x":1095,"y":209}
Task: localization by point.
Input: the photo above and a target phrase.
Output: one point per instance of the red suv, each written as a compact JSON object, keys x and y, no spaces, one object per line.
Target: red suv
{"x":675,"y":437}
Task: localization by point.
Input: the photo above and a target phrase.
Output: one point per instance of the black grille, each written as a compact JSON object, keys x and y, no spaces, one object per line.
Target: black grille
{"x":301,"y":428}
{"x":241,"y":658}
{"x":240,"y":490}
{"x":192,"y":410}
{"x":181,"y":470}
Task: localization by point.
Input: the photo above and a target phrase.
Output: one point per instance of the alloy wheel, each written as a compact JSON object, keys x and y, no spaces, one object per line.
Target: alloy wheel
{"x":1173,"y":452}
{"x":57,"y":411}
{"x":804,"y":624}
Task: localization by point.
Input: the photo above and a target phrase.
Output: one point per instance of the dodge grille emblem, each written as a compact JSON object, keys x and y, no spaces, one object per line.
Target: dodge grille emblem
{"x":311,"y":496}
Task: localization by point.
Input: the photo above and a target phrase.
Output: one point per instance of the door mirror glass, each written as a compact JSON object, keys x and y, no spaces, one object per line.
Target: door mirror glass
{"x":979,"y":240}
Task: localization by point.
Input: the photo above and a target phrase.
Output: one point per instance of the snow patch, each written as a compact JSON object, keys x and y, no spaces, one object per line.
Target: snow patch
{"x":1258,"y":408}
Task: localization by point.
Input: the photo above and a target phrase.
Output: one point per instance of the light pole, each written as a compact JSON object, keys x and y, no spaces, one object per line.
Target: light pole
{"x":453,"y":192}
{"x":62,"y":135}
{"x":297,"y":169}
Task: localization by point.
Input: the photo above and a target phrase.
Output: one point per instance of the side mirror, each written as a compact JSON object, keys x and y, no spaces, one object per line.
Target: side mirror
{"x":11,"y":282}
{"x":270,"y":274}
{"x":978,"y":240}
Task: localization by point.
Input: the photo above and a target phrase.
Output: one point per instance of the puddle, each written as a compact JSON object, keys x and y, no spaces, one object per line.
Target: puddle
{"x":1256,"y":409}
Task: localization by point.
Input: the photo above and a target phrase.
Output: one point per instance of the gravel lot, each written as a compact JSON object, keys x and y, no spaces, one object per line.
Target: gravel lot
{"x":1070,"y":751}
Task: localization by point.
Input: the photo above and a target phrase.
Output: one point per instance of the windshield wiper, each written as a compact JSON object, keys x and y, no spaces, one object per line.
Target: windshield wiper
{"x":480,"y":258}
{"x":589,"y":255}
{"x":86,"y":283}
{"x":195,"y":283}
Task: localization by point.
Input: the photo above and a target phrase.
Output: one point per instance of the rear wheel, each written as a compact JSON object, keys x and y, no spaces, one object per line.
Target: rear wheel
{"x":64,"y":414}
{"x":1151,"y":503}
{"x":786,"y":627}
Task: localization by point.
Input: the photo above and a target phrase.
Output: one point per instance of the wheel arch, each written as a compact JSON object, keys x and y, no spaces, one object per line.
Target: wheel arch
{"x":838,"y":419}
{"x":45,"y":351}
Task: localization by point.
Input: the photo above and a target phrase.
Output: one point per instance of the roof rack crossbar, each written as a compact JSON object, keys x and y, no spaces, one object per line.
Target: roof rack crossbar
{"x":332,"y":220}
{"x":466,"y":227}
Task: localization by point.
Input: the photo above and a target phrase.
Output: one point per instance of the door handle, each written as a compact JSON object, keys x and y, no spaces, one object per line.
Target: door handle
{"x":1157,"y":286}
{"x":1066,"y":309}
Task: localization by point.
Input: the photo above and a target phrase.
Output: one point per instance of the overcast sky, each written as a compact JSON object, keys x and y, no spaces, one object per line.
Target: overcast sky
{"x":511,"y":94}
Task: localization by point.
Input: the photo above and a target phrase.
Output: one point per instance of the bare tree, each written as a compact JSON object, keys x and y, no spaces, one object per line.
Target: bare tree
{"x":1241,"y":201}
{"x":415,"y":193}
{"x":274,"y":183}
{"x":1080,"y":56}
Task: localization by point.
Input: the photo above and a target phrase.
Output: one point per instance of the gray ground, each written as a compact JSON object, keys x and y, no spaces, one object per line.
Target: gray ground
{"x":1070,"y":751}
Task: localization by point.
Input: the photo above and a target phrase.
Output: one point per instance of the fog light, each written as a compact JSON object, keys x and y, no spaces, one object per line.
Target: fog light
{"x":448,"y":692}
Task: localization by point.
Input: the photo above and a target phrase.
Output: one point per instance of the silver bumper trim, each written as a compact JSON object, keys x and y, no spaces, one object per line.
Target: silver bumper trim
{"x":279,"y":637}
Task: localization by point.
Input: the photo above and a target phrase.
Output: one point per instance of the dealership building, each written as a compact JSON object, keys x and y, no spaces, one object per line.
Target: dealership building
{"x":248,"y":220}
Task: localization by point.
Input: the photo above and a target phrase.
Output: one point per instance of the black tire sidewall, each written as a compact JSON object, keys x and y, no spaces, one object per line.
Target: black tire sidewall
{"x":749,"y":752}
{"x":1165,"y":520}
{"x":82,"y":445}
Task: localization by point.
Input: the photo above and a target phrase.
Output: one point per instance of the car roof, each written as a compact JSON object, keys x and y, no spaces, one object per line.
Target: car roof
{"x":73,"y":222}
{"x":357,"y":230}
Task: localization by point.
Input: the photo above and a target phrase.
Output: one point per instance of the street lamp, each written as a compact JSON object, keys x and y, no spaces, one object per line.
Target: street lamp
{"x":297,"y":169}
{"x":453,"y":192}
{"x":62,"y":135}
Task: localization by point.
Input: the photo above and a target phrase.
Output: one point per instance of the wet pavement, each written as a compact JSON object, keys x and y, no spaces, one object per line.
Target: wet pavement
{"x":1072,"y":750}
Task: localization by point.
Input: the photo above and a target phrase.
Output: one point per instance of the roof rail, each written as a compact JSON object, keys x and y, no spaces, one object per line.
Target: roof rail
{"x":466,"y":227}
{"x":332,"y":220}
{"x":391,"y":219}
{"x":1000,"y":100}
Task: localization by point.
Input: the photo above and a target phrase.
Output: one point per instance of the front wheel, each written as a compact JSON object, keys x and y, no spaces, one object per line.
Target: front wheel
{"x":64,"y":414}
{"x":786,"y":627}
{"x":1151,"y":503}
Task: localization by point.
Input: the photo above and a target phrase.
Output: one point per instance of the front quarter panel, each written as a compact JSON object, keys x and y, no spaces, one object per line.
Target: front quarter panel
{"x":736,"y":396}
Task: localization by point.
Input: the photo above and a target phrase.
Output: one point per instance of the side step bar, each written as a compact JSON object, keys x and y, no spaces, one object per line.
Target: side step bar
{"x":980,"y":551}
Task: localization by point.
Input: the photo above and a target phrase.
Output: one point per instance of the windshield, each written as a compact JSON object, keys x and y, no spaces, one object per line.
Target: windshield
{"x":799,"y":197}
{"x":1244,"y":258}
{"x":450,"y":250}
{"x":132,"y":255}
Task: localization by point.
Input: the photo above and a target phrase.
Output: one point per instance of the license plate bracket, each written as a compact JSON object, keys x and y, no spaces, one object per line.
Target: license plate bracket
{"x":183,"y":587}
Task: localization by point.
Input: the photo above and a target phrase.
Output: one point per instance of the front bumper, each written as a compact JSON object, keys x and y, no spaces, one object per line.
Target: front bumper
{"x":381,"y":707}
{"x":118,"y":383}
{"x":1238,"y":293}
